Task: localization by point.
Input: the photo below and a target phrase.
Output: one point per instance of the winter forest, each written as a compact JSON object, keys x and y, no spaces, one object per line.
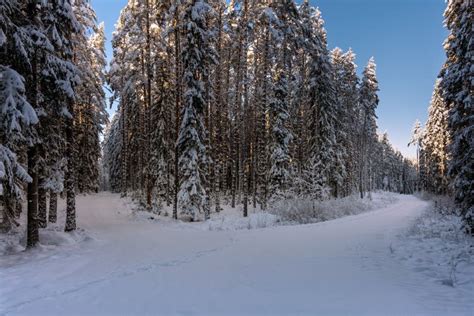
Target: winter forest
{"x":235,"y":124}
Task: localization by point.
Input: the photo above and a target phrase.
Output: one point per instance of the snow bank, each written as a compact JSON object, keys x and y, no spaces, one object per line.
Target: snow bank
{"x":437,"y":246}
{"x":305,"y":211}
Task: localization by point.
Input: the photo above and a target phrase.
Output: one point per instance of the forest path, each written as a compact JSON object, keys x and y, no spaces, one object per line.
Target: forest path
{"x":135,"y":265}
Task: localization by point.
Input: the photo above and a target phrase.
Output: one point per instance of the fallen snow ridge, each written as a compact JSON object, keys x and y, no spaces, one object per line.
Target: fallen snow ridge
{"x":133,"y":265}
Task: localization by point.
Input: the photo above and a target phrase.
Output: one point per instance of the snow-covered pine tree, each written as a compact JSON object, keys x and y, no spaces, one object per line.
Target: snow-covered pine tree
{"x":65,"y":26}
{"x":352,"y":110}
{"x":281,"y":138}
{"x":125,"y":79}
{"x":217,"y":128}
{"x":417,"y":141}
{"x":324,"y":107}
{"x":435,"y":143}
{"x":266,"y":36}
{"x":235,"y":59}
{"x":174,"y":27}
{"x":16,"y":114}
{"x":383,"y":164}
{"x":159,"y":168}
{"x":50,"y":80}
{"x":457,"y":91}
{"x":123,"y":92}
{"x":112,"y":150}
{"x":302,"y":108}
{"x":33,"y":53}
{"x":368,"y":100}
{"x":283,"y":96}
{"x":160,"y":157}
{"x":39,"y":42}
{"x":254,"y":41}
{"x":161,"y":112}
{"x":90,"y":98}
{"x":197,"y":54}
{"x":139,"y":51}
{"x":346,"y":91}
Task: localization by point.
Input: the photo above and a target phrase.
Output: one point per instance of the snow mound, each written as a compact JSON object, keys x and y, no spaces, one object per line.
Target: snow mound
{"x":56,"y":238}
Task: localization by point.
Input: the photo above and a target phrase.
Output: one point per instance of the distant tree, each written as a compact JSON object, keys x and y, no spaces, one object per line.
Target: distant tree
{"x":417,"y":141}
{"x":90,"y":98}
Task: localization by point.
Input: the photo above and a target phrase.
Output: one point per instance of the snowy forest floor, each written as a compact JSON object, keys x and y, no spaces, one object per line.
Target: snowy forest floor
{"x":400,"y":258}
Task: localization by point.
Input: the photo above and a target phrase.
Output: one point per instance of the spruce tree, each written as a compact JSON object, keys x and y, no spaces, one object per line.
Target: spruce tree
{"x":417,"y":141}
{"x":16,"y":115}
{"x":368,"y":100}
{"x":456,"y":86}
{"x":274,"y":74}
{"x":191,"y":140}
{"x":281,"y":138}
{"x":435,"y":143}
{"x":324,"y":109}
{"x":351,"y":110}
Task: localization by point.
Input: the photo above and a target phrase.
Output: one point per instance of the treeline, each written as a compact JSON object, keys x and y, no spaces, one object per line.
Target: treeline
{"x":240,"y":102}
{"x":446,"y":144}
{"x":52,"y":108}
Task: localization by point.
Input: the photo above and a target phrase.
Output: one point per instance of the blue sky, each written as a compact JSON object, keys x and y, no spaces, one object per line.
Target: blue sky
{"x":404,"y":36}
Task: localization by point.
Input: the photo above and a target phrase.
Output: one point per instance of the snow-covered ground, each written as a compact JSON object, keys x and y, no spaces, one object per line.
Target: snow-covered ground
{"x":122,"y":262}
{"x":437,"y":247}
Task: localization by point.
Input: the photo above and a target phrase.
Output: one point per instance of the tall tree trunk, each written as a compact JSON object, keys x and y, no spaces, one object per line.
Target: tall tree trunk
{"x":124,"y":157}
{"x":361,"y":180}
{"x":215,"y":136}
{"x":32,"y":235}
{"x":263,"y":139}
{"x":69,"y":179}
{"x":18,"y":208}
{"x":53,"y":207}
{"x":177,"y":110}
{"x":42,"y":207}
{"x":8,"y":213}
{"x":149,"y":182}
